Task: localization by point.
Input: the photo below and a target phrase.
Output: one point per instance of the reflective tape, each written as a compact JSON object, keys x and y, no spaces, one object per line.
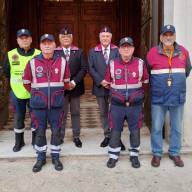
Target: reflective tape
{"x":19,"y":130}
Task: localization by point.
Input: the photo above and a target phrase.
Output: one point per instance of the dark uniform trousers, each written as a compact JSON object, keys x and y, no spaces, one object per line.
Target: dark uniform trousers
{"x":19,"y":107}
{"x":73,"y":103}
{"x":54,"y":117}
{"x":103,"y":103}
{"x":133,"y":115}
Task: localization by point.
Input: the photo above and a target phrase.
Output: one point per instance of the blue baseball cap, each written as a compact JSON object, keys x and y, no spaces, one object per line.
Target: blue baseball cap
{"x":21,"y":32}
{"x":47,"y":37}
{"x":126,"y":40}
{"x":167,"y":28}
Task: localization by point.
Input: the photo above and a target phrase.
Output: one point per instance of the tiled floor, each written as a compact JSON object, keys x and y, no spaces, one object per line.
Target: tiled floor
{"x":89,"y":114}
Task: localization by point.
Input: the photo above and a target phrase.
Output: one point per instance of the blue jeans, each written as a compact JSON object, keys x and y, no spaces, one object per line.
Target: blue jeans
{"x":158,"y":113}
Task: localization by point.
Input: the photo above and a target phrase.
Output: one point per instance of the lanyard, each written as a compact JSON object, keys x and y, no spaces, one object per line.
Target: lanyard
{"x":170,"y":56}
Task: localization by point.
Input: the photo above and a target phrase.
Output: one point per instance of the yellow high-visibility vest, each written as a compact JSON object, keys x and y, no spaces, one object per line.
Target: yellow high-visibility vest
{"x":18,"y":63}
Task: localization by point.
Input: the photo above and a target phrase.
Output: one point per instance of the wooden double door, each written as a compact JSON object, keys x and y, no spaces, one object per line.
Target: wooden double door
{"x":84,"y":17}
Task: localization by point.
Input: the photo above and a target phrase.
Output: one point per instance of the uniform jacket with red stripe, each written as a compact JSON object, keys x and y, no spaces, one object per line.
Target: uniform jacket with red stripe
{"x":45,"y":79}
{"x":126,"y":80}
{"x":158,"y":66}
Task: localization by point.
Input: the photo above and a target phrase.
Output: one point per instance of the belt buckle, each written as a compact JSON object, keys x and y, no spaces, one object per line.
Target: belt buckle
{"x":127,"y":103}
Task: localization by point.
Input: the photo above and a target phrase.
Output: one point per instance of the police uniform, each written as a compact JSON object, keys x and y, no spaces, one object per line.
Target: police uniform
{"x":14,"y":65}
{"x":126,"y":94}
{"x":45,"y":79}
{"x":97,"y":69}
{"x":78,"y":69}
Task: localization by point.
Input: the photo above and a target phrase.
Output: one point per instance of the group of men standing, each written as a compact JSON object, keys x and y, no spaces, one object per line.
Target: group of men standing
{"x":52,"y":81}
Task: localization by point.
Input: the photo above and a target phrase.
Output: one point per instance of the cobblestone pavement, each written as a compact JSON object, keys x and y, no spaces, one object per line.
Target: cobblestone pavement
{"x":90,"y":174}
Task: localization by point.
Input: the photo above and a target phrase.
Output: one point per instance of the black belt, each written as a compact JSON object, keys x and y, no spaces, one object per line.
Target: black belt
{"x":126,"y":104}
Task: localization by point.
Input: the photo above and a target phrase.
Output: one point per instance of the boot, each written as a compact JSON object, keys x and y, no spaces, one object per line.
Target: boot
{"x":19,"y":142}
{"x":38,"y":165}
{"x":22,"y":139}
{"x":33,"y":138}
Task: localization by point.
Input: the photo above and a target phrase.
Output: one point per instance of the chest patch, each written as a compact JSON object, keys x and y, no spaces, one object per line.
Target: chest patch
{"x":118,"y":71}
{"x":56,"y":70}
{"x":133,"y":74}
{"x":39,"y":69}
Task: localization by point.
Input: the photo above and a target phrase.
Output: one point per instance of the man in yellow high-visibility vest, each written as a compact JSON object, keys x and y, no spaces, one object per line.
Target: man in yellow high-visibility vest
{"x":14,"y":65}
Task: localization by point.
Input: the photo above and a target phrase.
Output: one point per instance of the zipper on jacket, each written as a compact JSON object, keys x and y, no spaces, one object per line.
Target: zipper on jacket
{"x":49,"y":91}
{"x":126,"y":80}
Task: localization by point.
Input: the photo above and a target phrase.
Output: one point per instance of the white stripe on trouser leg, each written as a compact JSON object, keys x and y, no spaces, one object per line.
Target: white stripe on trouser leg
{"x":132,"y":153}
{"x":55,"y":151}
{"x":118,"y":149}
{"x":40,"y":149}
{"x":112,"y":156}
{"x":54,"y":147}
{"x":19,"y":130}
{"x":134,"y":148}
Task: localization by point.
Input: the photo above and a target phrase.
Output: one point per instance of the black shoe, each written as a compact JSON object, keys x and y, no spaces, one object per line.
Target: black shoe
{"x":105,"y":142}
{"x":17,"y":147}
{"x":58,"y":164}
{"x":135,"y":162}
{"x":38,"y":165}
{"x":111,"y":163}
{"x":122,"y":146}
{"x":77,"y":142}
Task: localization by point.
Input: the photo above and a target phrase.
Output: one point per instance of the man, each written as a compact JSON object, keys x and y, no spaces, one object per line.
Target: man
{"x":44,"y":78}
{"x":78,"y":68}
{"x":14,"y":65}
{"x":128,"y":78}
{"x":169,"y":65}
{"x":98,"y":59}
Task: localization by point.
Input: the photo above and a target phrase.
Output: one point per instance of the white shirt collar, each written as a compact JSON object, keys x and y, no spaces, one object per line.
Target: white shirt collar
{"x":103,"y":48}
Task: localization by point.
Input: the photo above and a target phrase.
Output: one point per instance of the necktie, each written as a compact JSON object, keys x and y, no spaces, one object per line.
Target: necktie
{"x":106,"y":56}
{"x":67,"y":54}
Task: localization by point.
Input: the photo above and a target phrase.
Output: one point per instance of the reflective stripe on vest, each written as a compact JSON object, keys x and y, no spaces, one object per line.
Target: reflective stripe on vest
{"x":36,"y":84}
{"x":18,"y":63}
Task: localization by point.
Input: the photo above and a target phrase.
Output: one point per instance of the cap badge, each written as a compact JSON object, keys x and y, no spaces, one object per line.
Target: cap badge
{"x":46,"y":35}
{"x":105,"y":29}
{"x":65,"y":32}
{"x":126,"y":39}
{"x":168,"y":27}
{"x":23,"y":30}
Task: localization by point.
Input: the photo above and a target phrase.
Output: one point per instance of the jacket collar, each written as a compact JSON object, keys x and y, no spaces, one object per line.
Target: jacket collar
{"x":99,"y":47}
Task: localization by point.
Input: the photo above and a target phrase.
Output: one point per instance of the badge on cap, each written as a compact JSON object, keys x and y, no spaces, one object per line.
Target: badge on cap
{"x":65,"y":32}
{"x":168,"y":27}
{"x":126,"y":39}
{"x":23,"y":30}
{"x":46,"y":35}
{"x":105,"y":29}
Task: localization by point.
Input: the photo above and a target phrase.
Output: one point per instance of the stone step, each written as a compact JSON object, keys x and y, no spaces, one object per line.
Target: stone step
{"x":91,"y":139}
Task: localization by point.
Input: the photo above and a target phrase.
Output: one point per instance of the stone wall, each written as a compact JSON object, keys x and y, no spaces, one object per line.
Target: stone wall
{"x":3,"y":48}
